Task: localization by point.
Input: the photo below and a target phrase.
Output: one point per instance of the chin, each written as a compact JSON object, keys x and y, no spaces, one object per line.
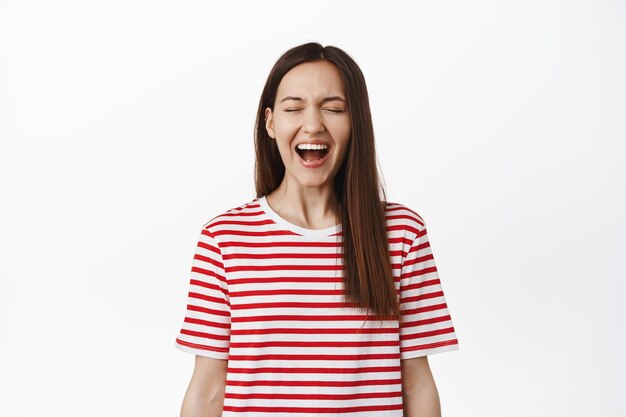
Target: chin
{"x":309,"y":183}
{"x":312,"y":181}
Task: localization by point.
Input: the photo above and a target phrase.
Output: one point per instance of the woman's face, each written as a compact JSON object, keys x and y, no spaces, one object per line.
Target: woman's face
{"x":311,"y":109}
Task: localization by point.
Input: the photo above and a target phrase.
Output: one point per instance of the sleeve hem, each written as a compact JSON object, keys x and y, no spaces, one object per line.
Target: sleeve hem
{"x":431,"y":351}
{"x":201,"y":352}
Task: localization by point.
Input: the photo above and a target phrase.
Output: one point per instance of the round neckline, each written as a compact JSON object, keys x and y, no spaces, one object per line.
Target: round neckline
{"x":293,"y":227}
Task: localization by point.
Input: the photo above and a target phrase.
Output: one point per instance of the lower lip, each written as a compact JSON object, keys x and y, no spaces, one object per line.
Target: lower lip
{"x":313,"y":164}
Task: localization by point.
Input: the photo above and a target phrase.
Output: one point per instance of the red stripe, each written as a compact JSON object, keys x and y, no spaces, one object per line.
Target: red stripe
{"x":421,"y":284}
{"x":207,"y":323}
{"x":429,"y":345}
{"x":335,"y":397}
{"x":331,"y":410}
{"x":242,"y":223}
{"x":419,"y":272}
{"x":400,"y":216}
{"x":210,"y":247}
{"x":315,"y":331}
{"x":421,"y":233}
{"x":307,"y":344}
{"x":315,"y":357}
{"x":272,"y":383}
{"x":291,"y":267}
{"x":286,"y":291}
{"x":293,"y":304}
{"x":426,"y":321}
{"x":434,"y":307}
{"x":422,"y":297}
{"x":317,"y":370}
{"x":283,"y":255}
{"x":209,"y":260}
{"x":261,"y":280}
{"x":418,"y":260}
{"x":275,"y":244}
{"x":205,"y":310}
{"x":296,"y":317}
{"x":240,"y":212}
{"x":264,"y":233}
{"x":207,"y":285}
{"x":208,"y":298}
{"x":203,"y":347}
{"x":208,"y":272}
{"x":205,"y":335}
{"x":429,"y":333}
{"x":402,"y":228}
{"x":396,"y":207}
{"x":401,"y":239}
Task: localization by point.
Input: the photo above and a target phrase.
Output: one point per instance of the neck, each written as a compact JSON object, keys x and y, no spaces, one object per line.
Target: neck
{"x":310,"y":207}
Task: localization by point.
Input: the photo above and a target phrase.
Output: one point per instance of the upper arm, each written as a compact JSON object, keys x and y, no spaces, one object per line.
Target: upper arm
{"x":205,"y":394}
{"x":209,"y":375}
{"x":415,"y":373}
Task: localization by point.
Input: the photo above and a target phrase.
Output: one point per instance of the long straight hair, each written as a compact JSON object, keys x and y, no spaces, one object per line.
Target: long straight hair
{"x":367,"y":277}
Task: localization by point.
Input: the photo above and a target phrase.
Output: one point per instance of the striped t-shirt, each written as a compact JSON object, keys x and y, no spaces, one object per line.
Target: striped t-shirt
{"x":266,"y":295}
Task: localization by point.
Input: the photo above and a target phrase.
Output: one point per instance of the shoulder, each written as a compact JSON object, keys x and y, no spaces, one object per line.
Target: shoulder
{"x":231,"y":216}
{"x":400,"y":216}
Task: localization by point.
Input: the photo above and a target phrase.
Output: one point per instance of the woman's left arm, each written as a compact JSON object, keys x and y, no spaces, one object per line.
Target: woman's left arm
{"x":419,"y":392}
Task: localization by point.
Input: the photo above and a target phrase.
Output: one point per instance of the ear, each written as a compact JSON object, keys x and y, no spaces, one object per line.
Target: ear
{"x":269,"y":123}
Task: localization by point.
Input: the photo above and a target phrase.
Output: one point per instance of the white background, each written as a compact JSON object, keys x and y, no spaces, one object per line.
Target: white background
{"x":126,"y":125}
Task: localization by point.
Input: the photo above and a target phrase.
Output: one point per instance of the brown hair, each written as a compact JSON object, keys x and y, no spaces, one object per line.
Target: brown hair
{"x":368,"y":281}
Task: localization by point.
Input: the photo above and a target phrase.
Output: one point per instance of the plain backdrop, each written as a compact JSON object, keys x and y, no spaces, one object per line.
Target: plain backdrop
{"x":126,"y":125}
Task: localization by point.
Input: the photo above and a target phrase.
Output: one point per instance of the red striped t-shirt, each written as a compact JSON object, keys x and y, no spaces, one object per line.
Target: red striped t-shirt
{"x":266,"y":295}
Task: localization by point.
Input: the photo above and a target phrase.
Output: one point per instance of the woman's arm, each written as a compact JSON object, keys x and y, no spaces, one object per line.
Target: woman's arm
{"x":205,"y":394}
{"x":419,"y":392}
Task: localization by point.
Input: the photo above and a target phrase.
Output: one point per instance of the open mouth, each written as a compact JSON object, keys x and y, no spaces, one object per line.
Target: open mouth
{"x":312,"y":153}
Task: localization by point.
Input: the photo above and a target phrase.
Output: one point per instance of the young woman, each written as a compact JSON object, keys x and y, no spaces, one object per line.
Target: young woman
{"x":317,"y":297}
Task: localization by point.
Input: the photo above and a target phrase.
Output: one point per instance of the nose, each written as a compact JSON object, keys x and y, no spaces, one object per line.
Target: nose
{"x":313,"y":122}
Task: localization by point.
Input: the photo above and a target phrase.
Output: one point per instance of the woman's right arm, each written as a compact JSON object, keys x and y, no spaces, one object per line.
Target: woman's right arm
{"x":205,"y":394}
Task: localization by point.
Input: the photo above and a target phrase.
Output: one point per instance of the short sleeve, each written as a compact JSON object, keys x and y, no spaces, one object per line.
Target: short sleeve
{"x":206,"y":328}
{"x":427,"y":326}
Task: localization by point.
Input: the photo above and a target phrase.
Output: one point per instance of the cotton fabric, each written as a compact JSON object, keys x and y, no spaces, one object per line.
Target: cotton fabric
{"x":266,"y":295}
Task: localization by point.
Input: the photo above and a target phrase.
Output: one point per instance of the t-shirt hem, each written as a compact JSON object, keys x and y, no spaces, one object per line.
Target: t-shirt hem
{"x":201,"y":352}
{"x":431,"y":351}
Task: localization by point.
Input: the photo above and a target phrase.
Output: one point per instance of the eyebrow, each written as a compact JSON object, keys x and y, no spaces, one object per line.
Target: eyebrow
{"x":331,"y":98}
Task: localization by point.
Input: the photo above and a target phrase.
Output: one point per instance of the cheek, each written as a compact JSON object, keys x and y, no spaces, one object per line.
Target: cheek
{"x":285,"y":136}
{"x":341,"y":133}
{"x":284,"y":124}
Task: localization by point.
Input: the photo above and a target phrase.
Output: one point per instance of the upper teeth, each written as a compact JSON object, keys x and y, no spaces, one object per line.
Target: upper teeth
{"x":310,"y":146}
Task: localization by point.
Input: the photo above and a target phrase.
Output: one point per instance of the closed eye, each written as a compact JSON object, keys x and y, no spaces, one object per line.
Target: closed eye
{"x":331,"y":110}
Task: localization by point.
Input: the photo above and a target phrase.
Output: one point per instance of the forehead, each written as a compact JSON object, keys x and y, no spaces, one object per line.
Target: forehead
{"x":311,"y":80}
